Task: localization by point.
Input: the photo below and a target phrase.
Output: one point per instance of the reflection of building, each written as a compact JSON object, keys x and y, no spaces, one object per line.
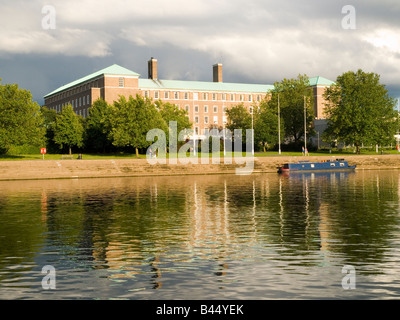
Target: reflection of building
{"x":205,"y":102}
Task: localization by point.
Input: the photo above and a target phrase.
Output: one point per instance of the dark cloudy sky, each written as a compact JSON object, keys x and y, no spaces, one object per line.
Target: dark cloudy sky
{"x":258,"y":41}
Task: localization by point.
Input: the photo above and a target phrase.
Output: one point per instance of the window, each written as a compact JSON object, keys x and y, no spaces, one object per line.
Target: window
{"x":205,"y":109}
{"x":251,"y":110}
{"x":205,"y":119}
{"x":250,"y":97}
{"x":342,"y":164}
{"x":146,"y":94}
{"x":215,"y":109}
{"x":80,"y":102}
{"x":121,"y":82}
{"x":214,"y":96}
{"x":88,"y":100}
{"x":195,"y":96}
{"x":232,"y":97}
{"x":176,"y":95}
{"x":241,"y":97}
{"x":187,"y":108}
{"x":225,"y":119}
{"x":312,"y":165}
{"x":156,"y":95}
{"x":196,"y":130}
{"x":205,"y":96}
{"x":332,"y":165}
{"x":196,"y":119}
{"x":166,"y":95}
{"x":196,"y":109}
{"x":258,"y":98}
{"x":224,"y":109}
{"x":215,"y":119}
{"x":186,"y":95}
{"x":224,"y":96}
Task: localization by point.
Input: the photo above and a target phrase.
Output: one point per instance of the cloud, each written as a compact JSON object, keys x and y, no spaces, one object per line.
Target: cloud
{"x":258,"y":40}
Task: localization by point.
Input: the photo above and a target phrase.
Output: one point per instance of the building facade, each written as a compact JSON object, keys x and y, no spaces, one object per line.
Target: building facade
{"x":205,"y":102}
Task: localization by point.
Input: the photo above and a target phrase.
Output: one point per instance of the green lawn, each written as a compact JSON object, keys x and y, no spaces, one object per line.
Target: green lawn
{"x":9,"y":157}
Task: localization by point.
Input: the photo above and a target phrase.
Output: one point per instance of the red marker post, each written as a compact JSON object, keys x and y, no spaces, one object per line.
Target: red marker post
{"x":43,"y":151}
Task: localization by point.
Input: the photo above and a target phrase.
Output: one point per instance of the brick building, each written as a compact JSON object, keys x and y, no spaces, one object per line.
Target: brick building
{"x":205,"y":102}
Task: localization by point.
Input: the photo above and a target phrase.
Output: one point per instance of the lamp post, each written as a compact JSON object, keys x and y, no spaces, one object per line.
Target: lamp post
{"x":398,"y":132}
{"x":279,"y":126}
{"x":252,"y":131}
{"x":305,"y":127}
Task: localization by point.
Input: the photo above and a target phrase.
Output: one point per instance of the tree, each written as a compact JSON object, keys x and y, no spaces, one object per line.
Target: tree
{"x":170,"y":112}
{"x":359,"y":110}
{"x":21,"y":121}
{"x":239,"y":118}
{"x":49,"y":122}
{"x":294,"y":95}
{"x":68,"y":129}
{"x":97,"y":127}
{"x":266,"y":130}
{"x":130,"y":121}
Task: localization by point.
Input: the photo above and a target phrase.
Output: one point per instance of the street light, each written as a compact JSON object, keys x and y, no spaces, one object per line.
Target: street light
{"x":305,"y":127}
{"x":252,"y":131}
{"x":279,"y":126}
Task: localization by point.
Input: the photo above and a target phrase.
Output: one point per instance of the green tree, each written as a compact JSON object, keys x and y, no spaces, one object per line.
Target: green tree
{"x":171,"y":112}
{"x":49,"y":122}
{"x":21,"y":121}
{"x":359,"y":110}
{"x":97,"y":127}
{"x":130,"y":121}
{"x":239,"y":118}
{"x":68,"y":129}
{"x":294,"y":96}
{"x":266,"y":127}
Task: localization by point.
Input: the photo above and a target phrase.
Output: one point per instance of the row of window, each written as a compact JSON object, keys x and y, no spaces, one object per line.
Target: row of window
{"x":196,"y":109}
{"x":215,"y":120}
{"x":76,"y":90}
{"x":82,"y":101}
{"x":176,"y":95}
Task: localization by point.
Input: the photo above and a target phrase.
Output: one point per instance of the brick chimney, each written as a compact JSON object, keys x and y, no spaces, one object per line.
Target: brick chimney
{"x":217,"y":72}
{"x":152,"y":67}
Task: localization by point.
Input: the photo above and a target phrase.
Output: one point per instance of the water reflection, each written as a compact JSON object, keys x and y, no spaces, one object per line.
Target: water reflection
{"x":163,"y":233}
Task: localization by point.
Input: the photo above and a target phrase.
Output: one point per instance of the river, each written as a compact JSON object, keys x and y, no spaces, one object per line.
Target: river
{"x":262,"y":236}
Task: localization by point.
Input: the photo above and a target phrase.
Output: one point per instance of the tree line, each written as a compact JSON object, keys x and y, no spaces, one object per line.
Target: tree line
{"x":358,"y":109}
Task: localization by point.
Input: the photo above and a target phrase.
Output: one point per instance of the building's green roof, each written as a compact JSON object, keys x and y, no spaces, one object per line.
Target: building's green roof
{"x":183,"y":85}
{"x":203,"y":86}
{"x":320,"y":81}
{"x":113,"y":70}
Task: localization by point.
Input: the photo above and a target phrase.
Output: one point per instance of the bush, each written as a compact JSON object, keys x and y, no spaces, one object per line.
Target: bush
{"x":24,"y":149}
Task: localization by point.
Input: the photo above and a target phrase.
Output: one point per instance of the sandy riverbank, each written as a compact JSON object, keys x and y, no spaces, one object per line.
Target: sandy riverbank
{"x":72,"y":169}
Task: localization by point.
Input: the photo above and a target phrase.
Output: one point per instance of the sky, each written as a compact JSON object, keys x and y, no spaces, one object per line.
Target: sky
{"x":45,"y":44}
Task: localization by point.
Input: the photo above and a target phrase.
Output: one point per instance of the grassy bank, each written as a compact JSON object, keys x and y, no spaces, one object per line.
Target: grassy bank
{"x":16,"y":157}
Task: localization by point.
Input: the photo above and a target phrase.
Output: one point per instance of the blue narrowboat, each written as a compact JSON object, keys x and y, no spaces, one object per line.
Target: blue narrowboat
{"x":323,"y":166}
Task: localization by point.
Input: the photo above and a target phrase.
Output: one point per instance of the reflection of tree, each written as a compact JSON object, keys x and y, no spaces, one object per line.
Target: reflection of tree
{"x":20,"y":234}
{"x":363,"y":218}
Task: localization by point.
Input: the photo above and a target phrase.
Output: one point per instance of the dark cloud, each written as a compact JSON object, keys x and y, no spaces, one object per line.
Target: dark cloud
{"x":257,"y":41}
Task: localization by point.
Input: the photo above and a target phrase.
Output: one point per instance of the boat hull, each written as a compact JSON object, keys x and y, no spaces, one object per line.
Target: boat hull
{"x":324,"y":166}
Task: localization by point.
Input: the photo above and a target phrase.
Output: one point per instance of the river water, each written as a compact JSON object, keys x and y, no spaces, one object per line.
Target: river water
{"x":262,"y":236}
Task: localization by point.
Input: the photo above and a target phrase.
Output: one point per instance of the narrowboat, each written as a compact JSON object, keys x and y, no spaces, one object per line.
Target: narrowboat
{"x":322,"y":166}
